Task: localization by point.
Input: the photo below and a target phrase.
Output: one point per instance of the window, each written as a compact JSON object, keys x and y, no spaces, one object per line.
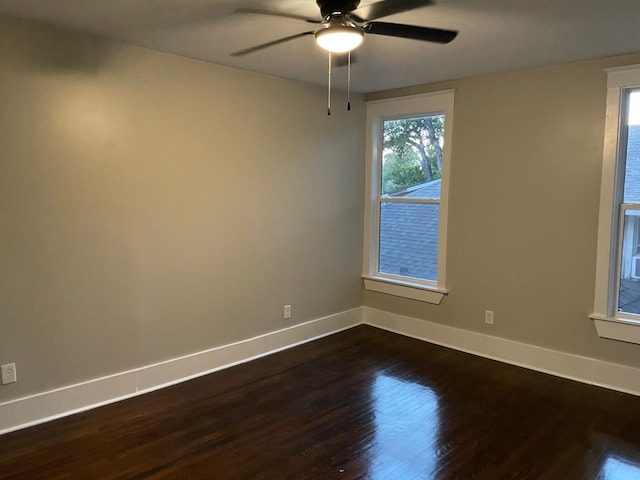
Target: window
{"x":408,"y":161}
{"x":617,"y":297}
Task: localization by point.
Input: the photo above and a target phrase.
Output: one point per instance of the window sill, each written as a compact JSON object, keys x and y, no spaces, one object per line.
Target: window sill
{"x":414,"y":291}
{"x":620,"y":329}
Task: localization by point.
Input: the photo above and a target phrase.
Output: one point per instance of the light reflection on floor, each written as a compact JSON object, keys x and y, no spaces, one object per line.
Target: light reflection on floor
{"x":615,"y":468}
{"x":406,"y":429}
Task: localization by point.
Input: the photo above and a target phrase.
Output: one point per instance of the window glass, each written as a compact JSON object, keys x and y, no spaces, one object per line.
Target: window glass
{"x":632,"y":163}
{"x":629,"y":291}
{"x":409,"y":240}
{"x":410,"y":187}
{"x":412,"y":157}
{"x":629,"y":254}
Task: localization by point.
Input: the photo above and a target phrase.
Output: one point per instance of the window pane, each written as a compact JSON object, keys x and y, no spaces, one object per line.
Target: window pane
{"x":412,"y":157}
{"x":409,"y":240}
{"x":629,"y":299}
{"x":632,"y":165}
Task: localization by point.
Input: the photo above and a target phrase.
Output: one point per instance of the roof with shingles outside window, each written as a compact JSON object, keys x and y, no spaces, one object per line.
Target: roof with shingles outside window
{"x":409,"y":234}
{"x":632,"y":167}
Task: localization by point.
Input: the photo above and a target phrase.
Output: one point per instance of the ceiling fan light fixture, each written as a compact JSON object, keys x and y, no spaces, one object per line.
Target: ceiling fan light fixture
{"x":339,"y":38}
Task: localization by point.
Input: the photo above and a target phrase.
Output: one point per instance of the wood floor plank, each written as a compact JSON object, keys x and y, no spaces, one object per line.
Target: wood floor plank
{"x":362,"y":404}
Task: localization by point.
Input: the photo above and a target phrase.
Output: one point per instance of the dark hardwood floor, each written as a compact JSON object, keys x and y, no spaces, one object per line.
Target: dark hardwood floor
{"x":361,"y":404}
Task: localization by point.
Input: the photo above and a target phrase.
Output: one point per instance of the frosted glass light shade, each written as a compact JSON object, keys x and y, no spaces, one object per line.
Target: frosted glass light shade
{"x":339,"y":39}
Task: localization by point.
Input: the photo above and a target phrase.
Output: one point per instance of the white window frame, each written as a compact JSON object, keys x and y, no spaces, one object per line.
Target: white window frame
{"x":414,"y":106}
{"x":608,"y":322}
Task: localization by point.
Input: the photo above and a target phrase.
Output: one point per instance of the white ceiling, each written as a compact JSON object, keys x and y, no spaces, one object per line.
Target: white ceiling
{"x":495,"y":35}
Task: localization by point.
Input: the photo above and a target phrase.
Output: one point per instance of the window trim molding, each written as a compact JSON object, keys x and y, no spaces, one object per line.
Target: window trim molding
{"x":410,"y":290}
{"x":607,"y":324}
{"x":377,"y":111}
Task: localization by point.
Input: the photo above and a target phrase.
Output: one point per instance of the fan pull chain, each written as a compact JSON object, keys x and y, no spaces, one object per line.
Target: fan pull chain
{"x":349,"y":83}
{"x":329,"y":104}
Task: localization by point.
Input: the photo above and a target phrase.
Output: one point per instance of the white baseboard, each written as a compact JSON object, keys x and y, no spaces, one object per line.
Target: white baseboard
{"x":566,"y":365}
{"x":34,"y":409}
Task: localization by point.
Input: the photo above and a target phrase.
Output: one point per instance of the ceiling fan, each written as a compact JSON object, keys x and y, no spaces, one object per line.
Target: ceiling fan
{"x":344,"y":25}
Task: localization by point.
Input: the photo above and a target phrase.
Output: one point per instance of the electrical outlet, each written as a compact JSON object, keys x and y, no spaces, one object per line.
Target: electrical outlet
{"x":286,"y":312}
{"x":488,"y":317}
{"x":8,"y":373}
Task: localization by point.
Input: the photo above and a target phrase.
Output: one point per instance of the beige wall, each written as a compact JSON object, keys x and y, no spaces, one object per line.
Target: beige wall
{"x":525,"y":182}
{"x":152,"y":206}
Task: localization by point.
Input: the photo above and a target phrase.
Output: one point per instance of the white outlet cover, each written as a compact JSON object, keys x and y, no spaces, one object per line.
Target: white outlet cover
{"x":488,"y":317}
{"x":8,"y":373}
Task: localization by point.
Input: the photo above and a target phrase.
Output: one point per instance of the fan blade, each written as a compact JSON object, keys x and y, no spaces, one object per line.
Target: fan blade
{"x":277,"y":14}
{"x":386,"y":8}
{"x":270,"y":44}
{"x":413,"y":32}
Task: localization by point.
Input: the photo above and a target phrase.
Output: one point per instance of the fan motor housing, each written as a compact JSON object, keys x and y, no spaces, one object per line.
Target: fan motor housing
{"x":327,"y":7}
